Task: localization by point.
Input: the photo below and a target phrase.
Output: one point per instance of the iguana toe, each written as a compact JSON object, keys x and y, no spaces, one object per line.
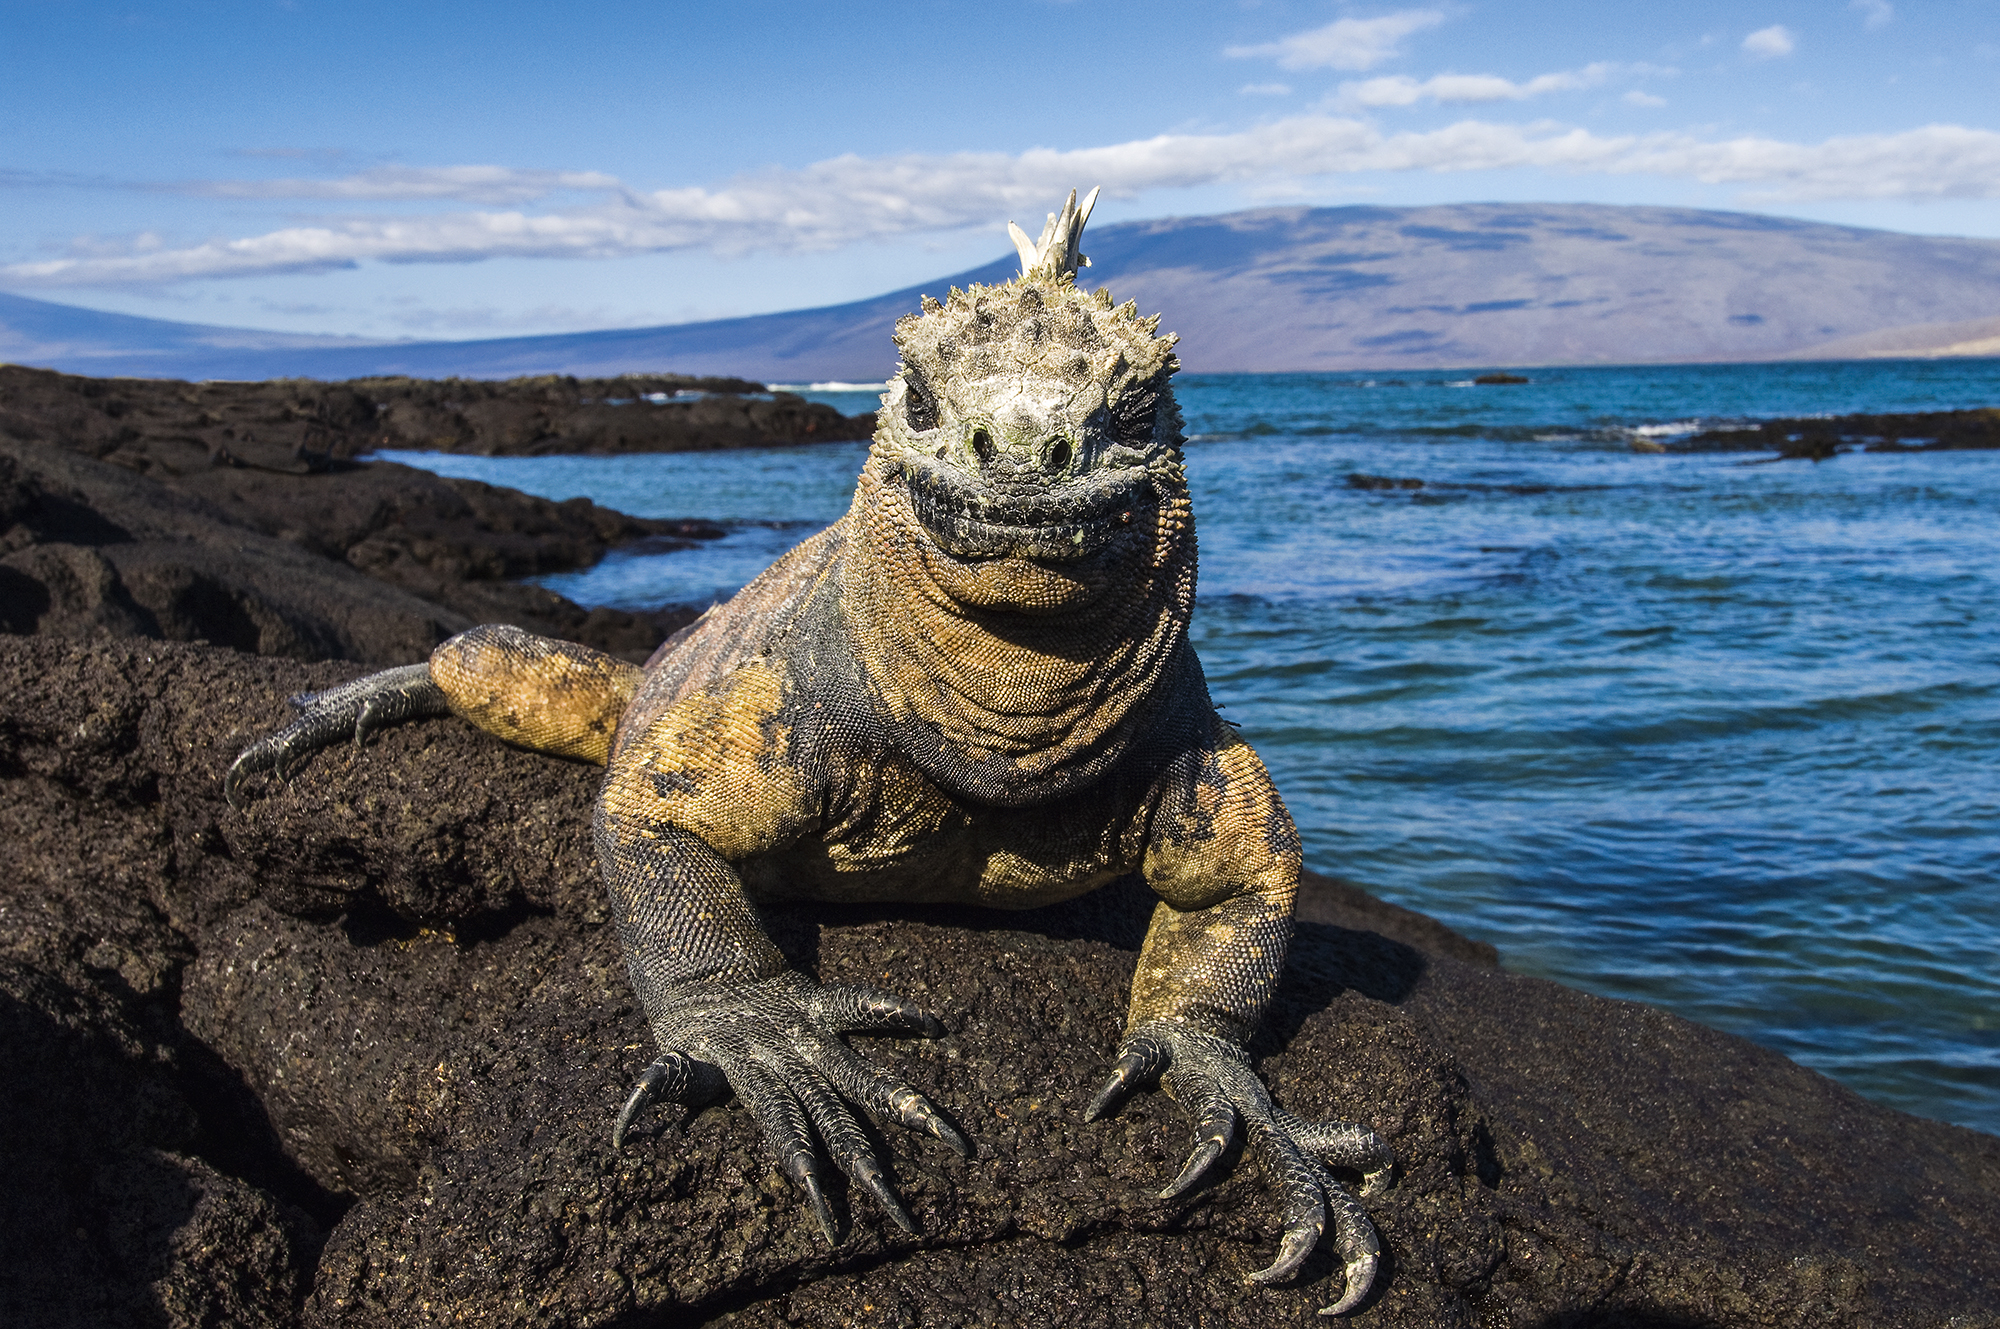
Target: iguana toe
{"x":1139,"y":1063}
{"x":1216,"y":1127}
{"x":777,"y":1044}
{"x":914,"y":1111}
{"x":350,"y":710}
{"x":834,"y":1122}
{"x":1211,"y":1078}
{"x":674,"y":1078}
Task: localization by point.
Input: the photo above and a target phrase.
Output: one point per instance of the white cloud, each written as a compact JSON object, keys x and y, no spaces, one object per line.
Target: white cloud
{"x":1348,"y":43}
{"x":1265,"y":90}
{"x":1875,"y":13}
{"x":493,"y":186}
{"x":1772,"y":42}
{"x":497,"y":186}
{"x":1638,"y":98}
{"x":849,"y":199}
{"x":1401,"y":90}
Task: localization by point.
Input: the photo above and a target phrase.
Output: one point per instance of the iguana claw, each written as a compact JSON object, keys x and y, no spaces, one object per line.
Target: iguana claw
{"x":1216,"y":1127}
{"x":1139,"y":1062}
{"x":674,"y":1078}
{"x":777,"y":1044}
{"x":1211,"y":1078}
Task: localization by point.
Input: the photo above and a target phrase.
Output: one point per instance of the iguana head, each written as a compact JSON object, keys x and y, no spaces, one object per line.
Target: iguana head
{"x":1021,"y":566}
{"x":1031,"y":420}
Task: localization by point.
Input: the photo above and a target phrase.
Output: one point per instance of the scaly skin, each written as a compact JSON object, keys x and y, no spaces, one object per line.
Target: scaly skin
{"x":977,"y":686}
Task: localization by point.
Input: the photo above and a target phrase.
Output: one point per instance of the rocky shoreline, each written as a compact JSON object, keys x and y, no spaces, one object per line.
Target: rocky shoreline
{"x":349,"y":1056}
{"x":117,"y":522}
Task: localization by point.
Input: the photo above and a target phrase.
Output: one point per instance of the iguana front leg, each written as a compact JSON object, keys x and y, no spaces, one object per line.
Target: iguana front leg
{"x":719,"y":777}
{"x":1224,"y":857}
{"x":324,"y":718}
{"x":538,"y":693}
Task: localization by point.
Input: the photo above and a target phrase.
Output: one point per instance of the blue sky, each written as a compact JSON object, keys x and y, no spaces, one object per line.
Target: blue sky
{"x":418,"y":170}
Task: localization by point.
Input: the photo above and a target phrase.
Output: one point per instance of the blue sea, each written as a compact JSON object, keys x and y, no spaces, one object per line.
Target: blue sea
{"x":1684,"y":729}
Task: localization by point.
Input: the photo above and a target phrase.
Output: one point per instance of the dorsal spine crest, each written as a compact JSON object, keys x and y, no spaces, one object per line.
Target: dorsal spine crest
{"x":1039,"y":319}
{"x":1055,"y":257}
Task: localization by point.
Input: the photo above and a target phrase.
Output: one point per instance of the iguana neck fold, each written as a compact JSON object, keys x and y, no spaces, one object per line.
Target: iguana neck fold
{"x":1011,"y":680}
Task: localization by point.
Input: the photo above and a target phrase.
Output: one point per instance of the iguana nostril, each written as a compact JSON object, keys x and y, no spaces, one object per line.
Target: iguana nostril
{"x":982,"y":446}
{"x":1059,"y":455}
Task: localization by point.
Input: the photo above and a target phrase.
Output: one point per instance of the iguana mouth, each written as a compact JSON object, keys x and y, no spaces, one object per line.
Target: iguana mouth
{"x":1052,"y":523}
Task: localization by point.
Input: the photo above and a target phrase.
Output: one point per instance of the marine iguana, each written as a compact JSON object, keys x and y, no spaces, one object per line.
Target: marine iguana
{"x":975,"y":687}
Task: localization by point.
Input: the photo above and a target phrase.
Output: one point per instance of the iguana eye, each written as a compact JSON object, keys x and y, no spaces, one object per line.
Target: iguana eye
{"x":919,"y":407}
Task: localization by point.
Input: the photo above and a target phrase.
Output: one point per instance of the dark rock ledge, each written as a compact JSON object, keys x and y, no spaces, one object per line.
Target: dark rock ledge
{"x":351,"y":1057}
{"x":1820,"y":438}
{"x":110,"y":530}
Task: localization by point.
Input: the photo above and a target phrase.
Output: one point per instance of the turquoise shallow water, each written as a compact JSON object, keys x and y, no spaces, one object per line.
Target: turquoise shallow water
{"x":1716,"y":736}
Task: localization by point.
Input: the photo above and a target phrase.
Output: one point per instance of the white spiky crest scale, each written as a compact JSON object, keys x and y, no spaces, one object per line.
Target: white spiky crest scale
{"x":1056,"y":254}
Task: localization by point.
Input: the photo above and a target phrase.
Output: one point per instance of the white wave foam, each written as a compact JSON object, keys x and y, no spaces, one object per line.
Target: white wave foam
{"x":833,"y":386}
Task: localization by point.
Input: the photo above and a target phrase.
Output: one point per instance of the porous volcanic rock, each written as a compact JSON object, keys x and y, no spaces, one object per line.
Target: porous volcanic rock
{"x":372,"y":562}
{"x":350,"y":1056}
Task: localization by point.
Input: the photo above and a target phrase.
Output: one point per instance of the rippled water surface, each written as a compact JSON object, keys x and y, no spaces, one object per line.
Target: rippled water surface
{"x":1716,"y":736}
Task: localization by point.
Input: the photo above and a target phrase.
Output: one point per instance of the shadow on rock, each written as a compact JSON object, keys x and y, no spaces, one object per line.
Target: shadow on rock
{"x":111,"y":1214}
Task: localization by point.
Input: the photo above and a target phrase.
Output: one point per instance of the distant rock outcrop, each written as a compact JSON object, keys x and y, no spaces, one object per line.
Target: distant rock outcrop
{"x":1819,"y":437}
{"x":298,"y":425}
{"x":1464,"y":285}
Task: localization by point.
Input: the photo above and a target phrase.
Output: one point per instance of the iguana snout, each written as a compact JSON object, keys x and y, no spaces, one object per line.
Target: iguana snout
{"x":978,"y":517}
{"x":1031,"y":434}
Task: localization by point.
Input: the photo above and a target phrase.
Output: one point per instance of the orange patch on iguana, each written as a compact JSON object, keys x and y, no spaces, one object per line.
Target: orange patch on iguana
{"x":1224,"y":859}
{"x":1214,"y":967}
{"x":716,"y":764}
{"x":1218,"y":843}
{"x":548,"y":696}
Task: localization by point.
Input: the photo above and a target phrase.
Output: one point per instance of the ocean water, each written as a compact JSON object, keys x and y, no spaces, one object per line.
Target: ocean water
{"x":1719,"y":736}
